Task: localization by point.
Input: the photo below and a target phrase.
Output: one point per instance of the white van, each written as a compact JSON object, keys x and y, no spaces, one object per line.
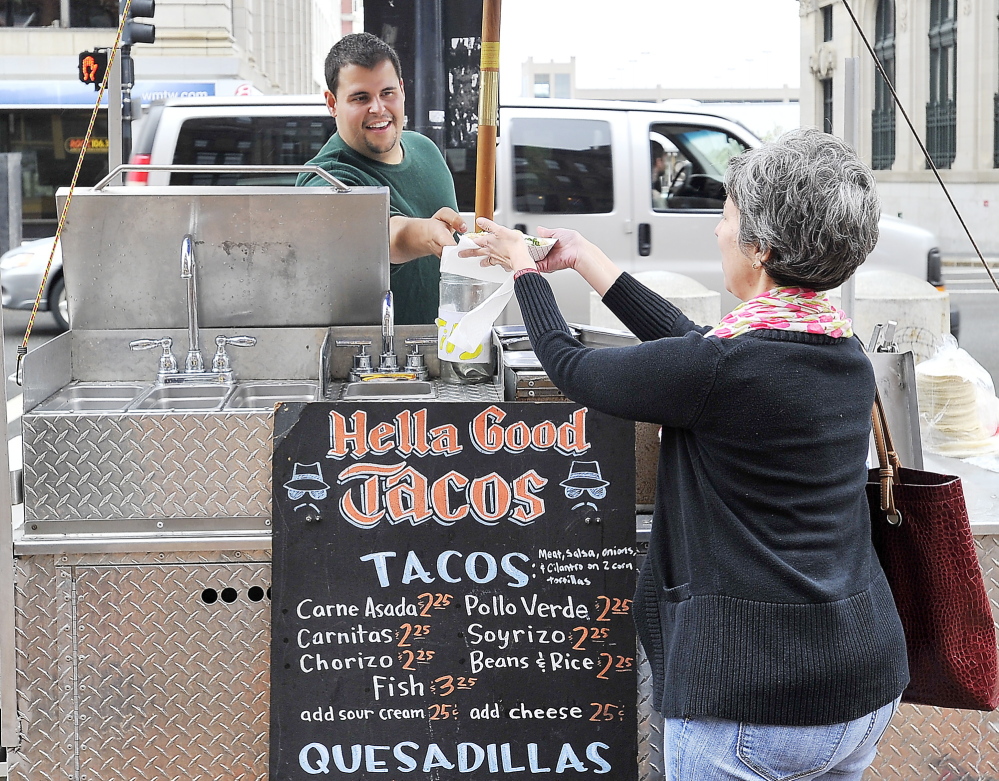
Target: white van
{"x":586,"y":165}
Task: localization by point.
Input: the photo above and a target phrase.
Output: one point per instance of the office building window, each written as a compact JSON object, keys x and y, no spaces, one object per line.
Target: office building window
{"x":827,"y":28}
{"x":562,"y":86}
{"x":50,"y":141}
{"x":48,"y":13}
{"x":883,"y":115}
{"x":995,"y":131}
{"x":542,"y":85}
{"x":941,"y":110}
{"x":827,"y":105}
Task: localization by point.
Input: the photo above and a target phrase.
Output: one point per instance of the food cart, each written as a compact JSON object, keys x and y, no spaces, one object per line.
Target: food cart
{"x":142,"y":571}
{"x":235,"y":568}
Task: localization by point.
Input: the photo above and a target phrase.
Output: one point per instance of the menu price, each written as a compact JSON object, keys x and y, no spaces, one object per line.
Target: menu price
{"x":452,"y":592}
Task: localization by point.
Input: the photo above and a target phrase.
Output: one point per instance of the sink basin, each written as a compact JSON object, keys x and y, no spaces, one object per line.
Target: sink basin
{"x":264,"y":395}
{"x":183,"y":398}
{"x":91,"y":397}
{"x":389,"y":389}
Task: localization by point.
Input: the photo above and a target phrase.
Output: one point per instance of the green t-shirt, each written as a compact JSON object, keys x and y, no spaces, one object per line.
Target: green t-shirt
{"x":418,"y":186}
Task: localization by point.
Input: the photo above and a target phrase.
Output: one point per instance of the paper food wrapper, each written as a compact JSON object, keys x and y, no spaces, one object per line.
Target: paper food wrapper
{"x":467,"y":336}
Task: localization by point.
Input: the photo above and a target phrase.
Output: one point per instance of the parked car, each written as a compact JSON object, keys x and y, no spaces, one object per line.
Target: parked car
{"x":588,"y":165}
{"x":271,"y":130}
{"x":21,"y":272}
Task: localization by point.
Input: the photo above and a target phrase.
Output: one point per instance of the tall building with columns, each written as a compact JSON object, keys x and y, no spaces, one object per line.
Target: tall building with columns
{"x":942,"y":56}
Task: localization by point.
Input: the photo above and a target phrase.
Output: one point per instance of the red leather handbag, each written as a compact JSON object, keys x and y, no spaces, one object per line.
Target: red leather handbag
{"x":921,"y":532}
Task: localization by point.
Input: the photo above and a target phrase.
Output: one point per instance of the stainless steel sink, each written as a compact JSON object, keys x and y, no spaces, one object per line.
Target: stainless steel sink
{"x":91,"y":397}
{"x":264,"y":395}
{"x":183,"y":398}
{"x":377,"y":390}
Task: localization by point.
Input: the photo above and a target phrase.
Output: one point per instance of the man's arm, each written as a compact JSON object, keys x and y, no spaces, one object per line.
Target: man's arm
{"x":410,"y":237}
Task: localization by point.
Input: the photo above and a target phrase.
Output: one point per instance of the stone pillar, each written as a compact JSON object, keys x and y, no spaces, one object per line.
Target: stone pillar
{"x":921,"y":311}
{"x":697,"y":302}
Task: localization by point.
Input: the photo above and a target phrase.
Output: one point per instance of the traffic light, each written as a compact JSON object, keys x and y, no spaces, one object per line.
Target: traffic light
{"x":137,"y":32}
{"x":93,"y":65}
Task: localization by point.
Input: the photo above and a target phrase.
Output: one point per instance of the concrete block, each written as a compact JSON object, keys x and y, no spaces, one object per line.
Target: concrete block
{"x":697,"y":302}
{"x":921,"y":311}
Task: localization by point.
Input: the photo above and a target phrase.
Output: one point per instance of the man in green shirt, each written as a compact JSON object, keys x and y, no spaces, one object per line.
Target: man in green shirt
{"x":370,"y":148}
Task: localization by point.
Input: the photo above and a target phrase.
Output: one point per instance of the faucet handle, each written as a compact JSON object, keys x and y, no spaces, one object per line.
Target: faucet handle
{"x":416,"y":341}
{"x":362,"y":343}
{"x":362,"y":358}
{"x":168,"y":364}
{"x":414,"y":359}
{"x":236,"y":341}
{"x":220,"y":363}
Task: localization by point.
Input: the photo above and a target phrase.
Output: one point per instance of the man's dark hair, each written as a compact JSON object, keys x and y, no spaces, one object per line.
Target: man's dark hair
{"x":363,"y":49}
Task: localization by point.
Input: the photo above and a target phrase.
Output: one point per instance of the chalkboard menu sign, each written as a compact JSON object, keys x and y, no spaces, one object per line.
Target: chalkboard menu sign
{"x":452,"y":589}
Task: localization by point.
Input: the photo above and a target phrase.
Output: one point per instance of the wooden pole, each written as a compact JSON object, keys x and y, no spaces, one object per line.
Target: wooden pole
{"x":485,"y":160}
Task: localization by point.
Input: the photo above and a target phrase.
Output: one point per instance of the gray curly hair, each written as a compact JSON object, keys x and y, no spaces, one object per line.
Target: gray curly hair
{"x":810,"y":201}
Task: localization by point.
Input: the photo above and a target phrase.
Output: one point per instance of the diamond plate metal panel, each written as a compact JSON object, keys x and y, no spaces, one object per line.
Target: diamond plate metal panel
{"x":120,"y":467}
{"x":169,"y":686}
{"x":942,"y":743}
{"x":483,"y":392}
{"x":95,"y":631}
{"x":650,"y":725}
{"x":43,"y":625}
{"x":124,"y":673}
{"x":929,"y":744}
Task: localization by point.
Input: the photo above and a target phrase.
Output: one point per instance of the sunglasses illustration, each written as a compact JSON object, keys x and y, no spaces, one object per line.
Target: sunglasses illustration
{"x":294,"y":493}
{"x":596,"y":493}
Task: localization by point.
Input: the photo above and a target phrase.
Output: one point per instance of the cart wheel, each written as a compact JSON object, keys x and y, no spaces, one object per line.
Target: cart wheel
{"x":59,"y":305}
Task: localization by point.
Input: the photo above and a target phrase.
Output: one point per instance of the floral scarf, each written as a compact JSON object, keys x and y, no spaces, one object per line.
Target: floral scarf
{"x":786,"y":309}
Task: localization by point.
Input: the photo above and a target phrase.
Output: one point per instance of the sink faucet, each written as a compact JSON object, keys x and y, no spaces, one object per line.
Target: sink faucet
{"x":389,"y":362}
{"x":195,"y":362}
{"x":194,"y":366}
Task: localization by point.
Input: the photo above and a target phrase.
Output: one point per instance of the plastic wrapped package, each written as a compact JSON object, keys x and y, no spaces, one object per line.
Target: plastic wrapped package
{"x":958,"y":408}
{"x":472,"y":298}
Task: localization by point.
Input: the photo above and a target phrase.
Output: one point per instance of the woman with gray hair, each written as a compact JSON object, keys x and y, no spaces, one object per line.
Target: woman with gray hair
{"x":775,"y":646}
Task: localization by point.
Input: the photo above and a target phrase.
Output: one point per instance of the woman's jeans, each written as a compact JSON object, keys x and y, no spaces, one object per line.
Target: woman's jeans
{"x":706,"y":749}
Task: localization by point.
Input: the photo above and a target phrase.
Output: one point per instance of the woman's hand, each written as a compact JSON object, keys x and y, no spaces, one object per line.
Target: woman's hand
{"x":569,"y":248}
{"x":499,"y":246}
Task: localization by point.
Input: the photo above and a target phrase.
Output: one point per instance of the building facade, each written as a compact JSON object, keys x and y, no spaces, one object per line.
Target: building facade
{"x":942,"y":57}
{"x":202,"y":48}
{"x":767,"y":111}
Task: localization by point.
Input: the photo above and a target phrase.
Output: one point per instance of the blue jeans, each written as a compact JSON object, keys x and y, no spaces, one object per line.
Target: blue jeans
{"x":707,"y":749}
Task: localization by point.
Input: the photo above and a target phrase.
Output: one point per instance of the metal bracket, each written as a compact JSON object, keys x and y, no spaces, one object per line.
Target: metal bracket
{"x":883,"y":338}
{"x":227,"y":169}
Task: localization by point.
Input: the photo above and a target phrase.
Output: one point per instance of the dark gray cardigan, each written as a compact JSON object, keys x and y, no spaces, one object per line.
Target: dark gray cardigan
{"x":761,"y":599}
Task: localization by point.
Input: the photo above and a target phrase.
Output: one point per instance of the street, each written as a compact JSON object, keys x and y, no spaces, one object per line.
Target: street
{"x":980,"y":327}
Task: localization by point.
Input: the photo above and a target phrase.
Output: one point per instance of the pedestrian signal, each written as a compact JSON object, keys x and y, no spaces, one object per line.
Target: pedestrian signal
{"x":93,"y":66}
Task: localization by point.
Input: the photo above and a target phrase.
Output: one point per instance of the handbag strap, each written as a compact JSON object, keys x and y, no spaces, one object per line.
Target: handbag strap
{"x":888,"y":463}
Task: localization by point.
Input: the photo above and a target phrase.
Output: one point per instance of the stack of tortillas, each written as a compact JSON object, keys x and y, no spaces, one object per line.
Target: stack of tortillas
{"x":958,"y":408}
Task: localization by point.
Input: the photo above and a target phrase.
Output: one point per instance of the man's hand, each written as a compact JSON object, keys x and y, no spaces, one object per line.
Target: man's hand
{"x":411,"y":238}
